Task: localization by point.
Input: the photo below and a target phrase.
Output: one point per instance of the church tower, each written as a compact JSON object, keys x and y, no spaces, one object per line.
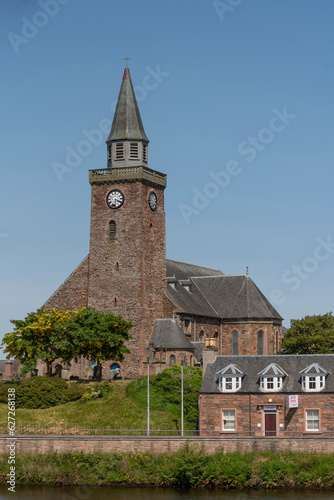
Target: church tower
{"x":127,"y":259}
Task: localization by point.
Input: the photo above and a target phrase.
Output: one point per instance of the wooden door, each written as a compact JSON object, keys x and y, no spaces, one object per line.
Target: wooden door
{"x":270,"y":424}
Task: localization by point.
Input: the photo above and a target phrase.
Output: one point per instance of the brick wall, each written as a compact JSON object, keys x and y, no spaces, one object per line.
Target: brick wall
{"x":249,"y":411}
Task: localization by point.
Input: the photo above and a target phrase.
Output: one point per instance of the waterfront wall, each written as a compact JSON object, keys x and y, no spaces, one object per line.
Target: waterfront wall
{"x":158,"y":445}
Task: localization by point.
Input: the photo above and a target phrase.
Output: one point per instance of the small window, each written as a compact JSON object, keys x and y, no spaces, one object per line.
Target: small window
{"x":312,"y":420}
{"x":133,"y":150}
{"x":172,"y":360}
{"x":260,"y":343}
{"x":229,"y":383}
{"x":145,"y":152}
{"x":187,"y":287}
{"x":201,"y":335}
{"x":109,"y":153}
{"x":186,"y":325}
{"x":173,"y":284}
{"x":271,"y":383}
{"x":228,"y":420}
{"x":313,"y":383}
{"x":119,"y":151}
{"x":235,"y":347}
{"x":112,"y":231}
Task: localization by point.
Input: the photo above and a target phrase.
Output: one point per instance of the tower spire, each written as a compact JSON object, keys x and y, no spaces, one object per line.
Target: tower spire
{"x":127,"y":141}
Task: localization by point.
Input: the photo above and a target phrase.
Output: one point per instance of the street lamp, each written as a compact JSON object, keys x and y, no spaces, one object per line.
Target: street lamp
{"x":148,"y":391}
{"x":182,"y":356}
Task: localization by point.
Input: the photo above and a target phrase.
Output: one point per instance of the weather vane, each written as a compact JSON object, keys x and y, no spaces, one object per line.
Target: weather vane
{"x":126,"y":59}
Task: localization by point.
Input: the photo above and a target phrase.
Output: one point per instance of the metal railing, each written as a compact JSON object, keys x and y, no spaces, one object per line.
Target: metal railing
{"x":84,"y":431}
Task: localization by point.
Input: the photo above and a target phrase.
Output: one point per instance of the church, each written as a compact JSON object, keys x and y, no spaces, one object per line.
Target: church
{"x":178,"y":310}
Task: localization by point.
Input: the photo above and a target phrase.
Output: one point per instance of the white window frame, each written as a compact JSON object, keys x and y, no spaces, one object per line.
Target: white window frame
{"x":229,"y":417}
{"x":229,"y":383}
{"x":309,"y":418}
{"x":313,"y":382}
{"x":275,"y":380}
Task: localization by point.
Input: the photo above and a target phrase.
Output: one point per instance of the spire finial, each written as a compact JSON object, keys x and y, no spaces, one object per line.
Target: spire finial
{"x":247,"y":271}
{"x":126,"y":59}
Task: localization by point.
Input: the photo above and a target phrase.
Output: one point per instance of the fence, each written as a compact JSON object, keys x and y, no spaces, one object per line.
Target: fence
{"x":83,"y":431}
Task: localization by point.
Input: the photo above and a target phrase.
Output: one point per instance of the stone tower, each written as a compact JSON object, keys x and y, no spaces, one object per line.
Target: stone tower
{"x":127,"y":259}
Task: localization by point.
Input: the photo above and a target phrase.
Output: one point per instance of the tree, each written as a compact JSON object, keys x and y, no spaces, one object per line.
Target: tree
{"x":99,"y":336}
{"x":310,"y":335}
{"x":66,"y":335}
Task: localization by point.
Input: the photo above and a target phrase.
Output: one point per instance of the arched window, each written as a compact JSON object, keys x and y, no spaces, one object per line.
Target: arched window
{"x":115,"y":302}
{"x":112,"y":231}
{"x":235,"y":346}
{"x":260,"y":342}
{"x":276,"y":341}
{"x":172,"y":360}
{"x":115,"y":371}
{"x":201,"y":335}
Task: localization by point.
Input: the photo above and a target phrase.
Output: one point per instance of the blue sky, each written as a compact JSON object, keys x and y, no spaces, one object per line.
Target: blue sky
{"x":237,"y":90}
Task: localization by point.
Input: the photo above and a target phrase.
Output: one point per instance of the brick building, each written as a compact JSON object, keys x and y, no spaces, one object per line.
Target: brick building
{"x":287,"y":395}
{"x":126,"y":271}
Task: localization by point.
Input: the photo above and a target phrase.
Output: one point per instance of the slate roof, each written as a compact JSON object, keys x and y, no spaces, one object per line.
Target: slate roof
{"x":214,"y":294}
{"x":253,"y":365}
{"x":236,"y":297}
{"x":168,"y":335}
{"x":189,"y":302}
{"x":127,"y":124}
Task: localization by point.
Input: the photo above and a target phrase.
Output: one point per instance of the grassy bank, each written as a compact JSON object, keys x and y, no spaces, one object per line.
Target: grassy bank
{"x":116,"y":410}
{"x":186,"y":468}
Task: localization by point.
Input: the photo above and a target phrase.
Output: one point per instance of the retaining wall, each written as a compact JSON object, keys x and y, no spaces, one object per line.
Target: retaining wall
{"x":158,"y":445}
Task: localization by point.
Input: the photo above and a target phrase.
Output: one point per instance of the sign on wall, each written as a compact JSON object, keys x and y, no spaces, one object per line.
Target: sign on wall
{"x":292,"y":401}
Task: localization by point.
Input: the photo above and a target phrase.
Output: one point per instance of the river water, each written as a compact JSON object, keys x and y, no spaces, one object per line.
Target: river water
{"x":101,"y":493}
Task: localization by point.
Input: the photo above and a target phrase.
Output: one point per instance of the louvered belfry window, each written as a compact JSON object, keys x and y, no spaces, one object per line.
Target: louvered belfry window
{"x":145,"y":152}
{"x":119,"y":151}
{"x":133,"y":150}
{"x":109,"y":152}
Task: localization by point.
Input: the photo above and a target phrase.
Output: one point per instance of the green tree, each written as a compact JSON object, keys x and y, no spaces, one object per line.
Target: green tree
{"x":310,"y":335}
{"x":66,"y":335}
{"x":98,"y":335}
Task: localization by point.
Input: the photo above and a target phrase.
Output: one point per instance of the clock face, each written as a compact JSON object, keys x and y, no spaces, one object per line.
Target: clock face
{"x":115,"y":198}
{"x":153,"y":201}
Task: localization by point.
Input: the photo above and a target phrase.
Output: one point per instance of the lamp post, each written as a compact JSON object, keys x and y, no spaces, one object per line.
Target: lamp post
{"x":182,"y":423}
{"x":148,"y":391}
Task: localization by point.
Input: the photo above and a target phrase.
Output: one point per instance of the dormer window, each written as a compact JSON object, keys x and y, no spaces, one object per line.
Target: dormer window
{"x":230,"y":379}
{"x":271,"y":378}
{"x":173,"y":284}
{"x":119,"y":151}
{"x":133,"y":150}
{"x":313,"y":378}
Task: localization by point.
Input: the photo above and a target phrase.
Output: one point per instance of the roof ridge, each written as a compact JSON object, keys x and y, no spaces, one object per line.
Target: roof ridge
{"x":195,"y":265}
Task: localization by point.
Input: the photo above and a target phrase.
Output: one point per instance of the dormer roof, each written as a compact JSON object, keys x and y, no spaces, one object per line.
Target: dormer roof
{"x":231,"y":369}
{"x":314,"y":369}
{"x":272,"y":369}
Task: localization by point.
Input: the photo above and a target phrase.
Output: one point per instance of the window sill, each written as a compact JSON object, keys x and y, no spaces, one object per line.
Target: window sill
{"x":228,"y":432}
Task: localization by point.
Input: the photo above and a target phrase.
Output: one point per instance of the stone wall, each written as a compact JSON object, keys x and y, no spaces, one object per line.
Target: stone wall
{"x":73,"y":293}
{"x":158,"y":445}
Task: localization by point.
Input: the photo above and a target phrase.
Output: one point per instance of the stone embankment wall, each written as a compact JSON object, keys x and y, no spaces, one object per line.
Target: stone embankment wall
{"x":158,"y":445}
